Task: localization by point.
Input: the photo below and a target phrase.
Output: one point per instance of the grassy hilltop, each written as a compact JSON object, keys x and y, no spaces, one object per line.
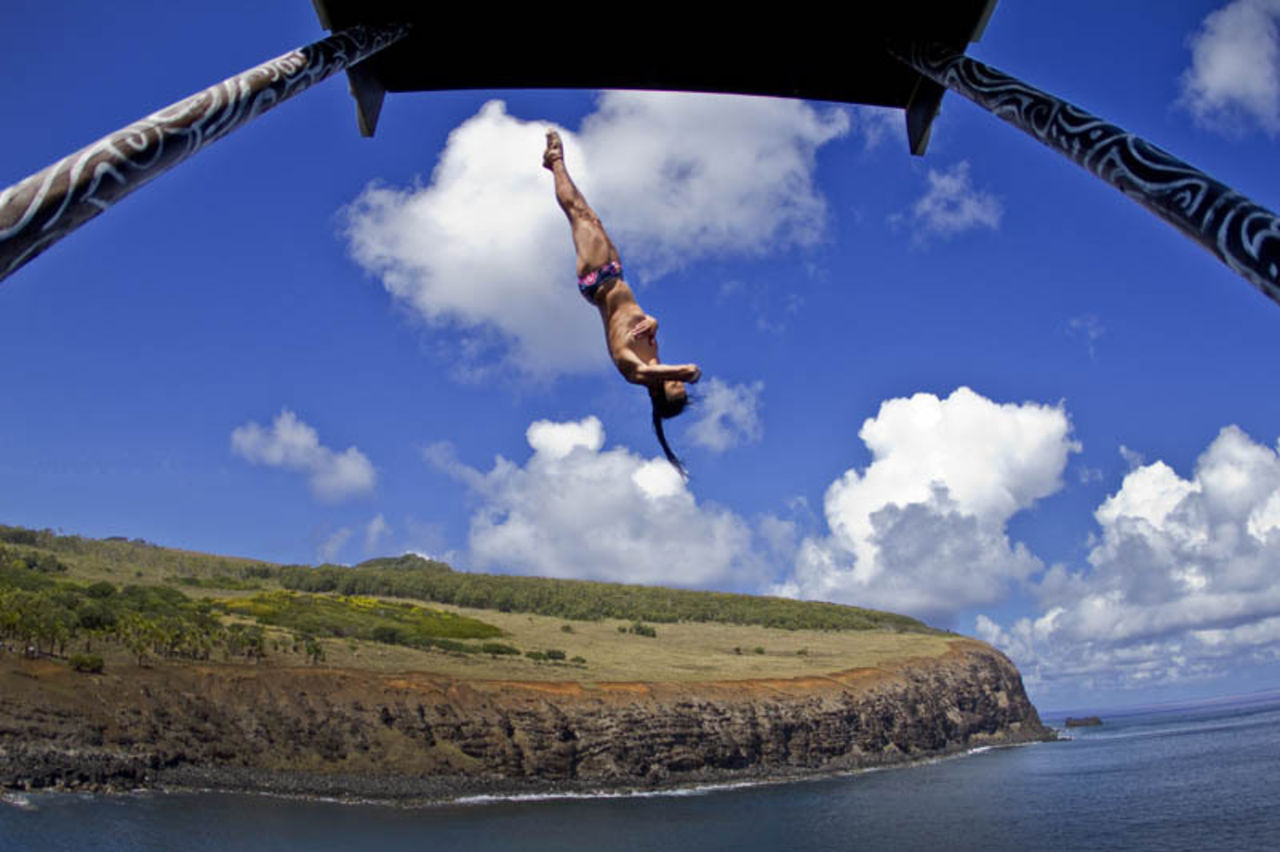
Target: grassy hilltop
{"x":118,"y":602}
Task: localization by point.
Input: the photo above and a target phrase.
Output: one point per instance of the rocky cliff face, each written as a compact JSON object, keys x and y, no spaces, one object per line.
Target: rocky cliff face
{"x":420,"y":736}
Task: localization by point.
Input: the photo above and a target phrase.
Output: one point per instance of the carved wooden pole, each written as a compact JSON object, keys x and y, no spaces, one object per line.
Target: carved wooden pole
{"x":40,"y":210}
{"x":1244,"y":235}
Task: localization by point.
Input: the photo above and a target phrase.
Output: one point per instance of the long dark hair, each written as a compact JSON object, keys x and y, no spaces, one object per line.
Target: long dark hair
{"x":664,"y":408}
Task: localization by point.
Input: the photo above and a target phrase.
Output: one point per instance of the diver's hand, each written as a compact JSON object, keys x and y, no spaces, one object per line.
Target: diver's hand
{"x":656,"y":374}
{"x":645,"y":328}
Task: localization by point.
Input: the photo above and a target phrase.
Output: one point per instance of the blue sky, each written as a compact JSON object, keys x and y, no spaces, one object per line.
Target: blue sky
{"x":980,"y":387}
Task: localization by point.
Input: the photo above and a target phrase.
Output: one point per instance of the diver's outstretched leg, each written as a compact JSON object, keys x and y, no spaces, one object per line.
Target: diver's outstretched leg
{"x":589,"y":238}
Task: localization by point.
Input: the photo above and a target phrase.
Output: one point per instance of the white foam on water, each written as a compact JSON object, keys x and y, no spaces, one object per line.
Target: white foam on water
{"x":18,"y":800}
{"x":673,"y":792}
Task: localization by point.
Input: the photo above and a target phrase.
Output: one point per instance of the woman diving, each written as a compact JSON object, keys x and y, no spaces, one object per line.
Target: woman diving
{"x":630,"y":333}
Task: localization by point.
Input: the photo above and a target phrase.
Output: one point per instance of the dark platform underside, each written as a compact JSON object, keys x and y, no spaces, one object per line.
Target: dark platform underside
{"x":789,"y":51}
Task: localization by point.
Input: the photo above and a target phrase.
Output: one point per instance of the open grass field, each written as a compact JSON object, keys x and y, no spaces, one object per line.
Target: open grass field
{"x":679,"y":653}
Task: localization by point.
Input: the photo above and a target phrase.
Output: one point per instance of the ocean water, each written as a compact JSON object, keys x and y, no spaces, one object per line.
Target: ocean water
{"x":1194,"y":778}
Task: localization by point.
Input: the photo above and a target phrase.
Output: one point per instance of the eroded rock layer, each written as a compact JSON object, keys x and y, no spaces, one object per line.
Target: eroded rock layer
{"x":415,"y":736}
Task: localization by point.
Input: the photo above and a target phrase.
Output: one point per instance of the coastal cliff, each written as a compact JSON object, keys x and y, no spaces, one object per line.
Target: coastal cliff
{"x":417,"y":736}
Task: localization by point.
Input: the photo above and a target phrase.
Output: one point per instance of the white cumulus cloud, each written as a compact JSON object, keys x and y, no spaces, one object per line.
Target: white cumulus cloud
{"x":1181,"y":579}
{"x":676,"y":177}
{"x":951,"y":206}
{"x":922,"y":528}
{"x":293,"y":445}
{"x":681,"y":176}
{"x":1234,"y":78}
{"x":726,"y":416}
{"x":575,"y":509}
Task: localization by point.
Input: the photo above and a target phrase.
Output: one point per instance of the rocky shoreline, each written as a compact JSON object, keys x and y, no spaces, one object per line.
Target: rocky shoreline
{"x":415,"y":792}
{"x":419,"y":738}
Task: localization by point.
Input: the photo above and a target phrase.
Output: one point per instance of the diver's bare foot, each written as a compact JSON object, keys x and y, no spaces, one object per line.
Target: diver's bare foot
{"x":555,"y":150}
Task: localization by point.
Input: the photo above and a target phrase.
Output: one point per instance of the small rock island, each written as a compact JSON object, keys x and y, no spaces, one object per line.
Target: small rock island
{"x":1083,"y":721}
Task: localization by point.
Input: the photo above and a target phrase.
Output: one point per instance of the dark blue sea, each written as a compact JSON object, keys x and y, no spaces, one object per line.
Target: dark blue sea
{"x":1196,"y":778}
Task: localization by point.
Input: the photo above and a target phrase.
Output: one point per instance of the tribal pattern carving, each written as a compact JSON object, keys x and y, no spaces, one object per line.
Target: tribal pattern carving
{"x":48,"y":205}
{"x":1244,"y":235}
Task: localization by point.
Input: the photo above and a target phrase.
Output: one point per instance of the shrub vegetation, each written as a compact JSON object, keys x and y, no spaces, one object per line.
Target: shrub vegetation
{"x":360,"y":617}
{"x":427,"y":580}
{"x":87,"y":663}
